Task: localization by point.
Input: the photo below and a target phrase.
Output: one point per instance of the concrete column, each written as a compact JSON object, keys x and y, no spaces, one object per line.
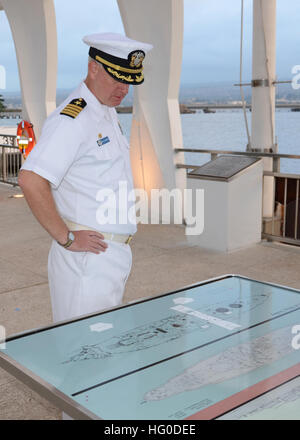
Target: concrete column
{"x":263,"y":89}
{"x":156,"y":126}
{"x":33,"y":26}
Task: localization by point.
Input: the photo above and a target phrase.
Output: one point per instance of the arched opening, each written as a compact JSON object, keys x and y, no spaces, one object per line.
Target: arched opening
{"x":9,"y":77}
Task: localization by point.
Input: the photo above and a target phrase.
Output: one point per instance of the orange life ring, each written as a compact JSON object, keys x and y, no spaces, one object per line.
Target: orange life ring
{"x":25,"y":137}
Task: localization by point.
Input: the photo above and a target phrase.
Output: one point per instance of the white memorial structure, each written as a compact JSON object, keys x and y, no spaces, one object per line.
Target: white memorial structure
{"x":156,"y":126}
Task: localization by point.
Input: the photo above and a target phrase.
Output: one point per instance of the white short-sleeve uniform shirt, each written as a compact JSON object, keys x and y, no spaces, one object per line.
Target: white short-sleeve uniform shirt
{"x":87,"y":162}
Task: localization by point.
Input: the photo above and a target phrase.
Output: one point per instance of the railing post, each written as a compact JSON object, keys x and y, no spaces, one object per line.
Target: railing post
{"x":296,"y":210}
{"x":1,"y":163}
{"x":4,"y":164}
{"x":284,"y":206}
{"x":276,"y":165}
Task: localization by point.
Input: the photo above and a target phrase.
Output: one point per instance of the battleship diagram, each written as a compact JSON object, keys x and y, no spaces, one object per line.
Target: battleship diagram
{"x":172,"y":327}
{"x":233,"y":362}
{"x":141,"y":338}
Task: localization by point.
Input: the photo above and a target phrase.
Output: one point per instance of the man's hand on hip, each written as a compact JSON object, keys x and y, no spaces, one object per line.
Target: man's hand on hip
{"x":40,"y":199}
{"x":88,"y":241}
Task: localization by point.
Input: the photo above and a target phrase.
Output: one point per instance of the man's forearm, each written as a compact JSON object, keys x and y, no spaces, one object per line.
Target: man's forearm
{"x":39,"y":197}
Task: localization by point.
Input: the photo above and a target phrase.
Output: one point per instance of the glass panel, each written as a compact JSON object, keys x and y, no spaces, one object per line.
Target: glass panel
{"x":172,"y":356}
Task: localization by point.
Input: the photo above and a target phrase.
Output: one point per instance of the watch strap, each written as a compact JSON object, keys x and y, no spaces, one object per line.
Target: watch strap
{"x":69,"y":242}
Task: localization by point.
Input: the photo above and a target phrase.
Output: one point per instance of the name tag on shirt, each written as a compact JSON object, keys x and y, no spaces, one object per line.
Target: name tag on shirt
{"x":103,"y":141}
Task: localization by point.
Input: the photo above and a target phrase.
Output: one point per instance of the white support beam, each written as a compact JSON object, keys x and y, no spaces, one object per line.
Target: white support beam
{"x":264,"y":67}
{"x":156,"y":127}
{"x":33,"y":26}
{"x":263,"y":96}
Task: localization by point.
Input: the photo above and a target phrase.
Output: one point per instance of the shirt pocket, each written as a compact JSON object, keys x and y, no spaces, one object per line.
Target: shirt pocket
{"x":105,"y":153}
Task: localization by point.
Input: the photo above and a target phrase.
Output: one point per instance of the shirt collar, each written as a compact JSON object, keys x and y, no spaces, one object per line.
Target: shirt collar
{"x":101,"y":110}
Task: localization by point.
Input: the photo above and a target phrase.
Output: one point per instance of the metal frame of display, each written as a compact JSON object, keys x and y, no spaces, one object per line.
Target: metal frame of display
{"x":69,"y":405}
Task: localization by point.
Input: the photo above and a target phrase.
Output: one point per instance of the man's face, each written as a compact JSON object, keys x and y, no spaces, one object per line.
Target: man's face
{"x":107,"y":90}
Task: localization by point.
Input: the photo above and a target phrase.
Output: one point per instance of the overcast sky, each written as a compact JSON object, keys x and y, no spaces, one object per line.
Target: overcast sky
{"x":211,"y":39}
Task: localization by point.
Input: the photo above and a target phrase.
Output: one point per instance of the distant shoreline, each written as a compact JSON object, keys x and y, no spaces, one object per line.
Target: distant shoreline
{"x":184,"y":108}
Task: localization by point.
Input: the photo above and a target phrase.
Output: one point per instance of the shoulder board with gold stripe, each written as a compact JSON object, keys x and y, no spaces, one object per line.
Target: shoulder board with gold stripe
{"x":74,"y":108}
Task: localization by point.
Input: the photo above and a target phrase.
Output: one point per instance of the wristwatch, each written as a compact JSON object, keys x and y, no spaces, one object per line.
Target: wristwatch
{"x":71,"y":238}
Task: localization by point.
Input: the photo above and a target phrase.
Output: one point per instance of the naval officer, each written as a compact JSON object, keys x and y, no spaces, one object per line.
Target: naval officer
{"x":82,"y":153}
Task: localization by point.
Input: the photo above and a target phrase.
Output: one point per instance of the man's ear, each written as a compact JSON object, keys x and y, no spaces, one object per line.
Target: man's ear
{"x":93,"y":69}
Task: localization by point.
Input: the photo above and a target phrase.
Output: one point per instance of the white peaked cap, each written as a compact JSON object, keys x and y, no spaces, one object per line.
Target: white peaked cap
{"x":121,"y":57}
{"x":115,"y":44}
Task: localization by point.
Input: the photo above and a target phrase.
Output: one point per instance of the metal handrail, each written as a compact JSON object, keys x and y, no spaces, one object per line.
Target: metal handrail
{"x":9,"y":146}
{"x":276,"y":174}
{"x":11,"y":160}
{"x":8,"y":135}
{"x":239,"y":153}
{"x":9,"y":139}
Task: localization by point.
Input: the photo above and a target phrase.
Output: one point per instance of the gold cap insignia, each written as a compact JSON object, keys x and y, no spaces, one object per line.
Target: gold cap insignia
{"x":136,"y":58}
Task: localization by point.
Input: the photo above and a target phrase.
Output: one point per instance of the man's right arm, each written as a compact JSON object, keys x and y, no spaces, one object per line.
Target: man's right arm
{"x":37,"y":192}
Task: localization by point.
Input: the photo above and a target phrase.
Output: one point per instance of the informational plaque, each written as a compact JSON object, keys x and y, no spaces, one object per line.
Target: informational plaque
{"x":223,"y":167}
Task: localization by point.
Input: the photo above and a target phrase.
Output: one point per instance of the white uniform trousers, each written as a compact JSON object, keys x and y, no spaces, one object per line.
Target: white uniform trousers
{"x":83,"y":282}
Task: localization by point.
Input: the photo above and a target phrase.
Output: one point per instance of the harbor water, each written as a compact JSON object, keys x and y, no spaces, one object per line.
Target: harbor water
{"x":225,"y":130}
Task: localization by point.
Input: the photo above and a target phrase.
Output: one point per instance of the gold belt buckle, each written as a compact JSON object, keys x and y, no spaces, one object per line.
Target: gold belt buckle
{"x":129,"y":239}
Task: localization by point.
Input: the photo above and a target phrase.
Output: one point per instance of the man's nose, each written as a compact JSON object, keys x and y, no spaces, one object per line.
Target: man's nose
{"x":124,"y":88}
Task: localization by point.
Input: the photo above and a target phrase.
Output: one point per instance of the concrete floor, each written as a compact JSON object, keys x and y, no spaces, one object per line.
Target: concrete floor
{"x":162,"y":261}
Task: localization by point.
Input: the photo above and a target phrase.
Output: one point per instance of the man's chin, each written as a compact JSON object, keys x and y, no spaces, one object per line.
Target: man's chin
{"x":116,"y":101}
